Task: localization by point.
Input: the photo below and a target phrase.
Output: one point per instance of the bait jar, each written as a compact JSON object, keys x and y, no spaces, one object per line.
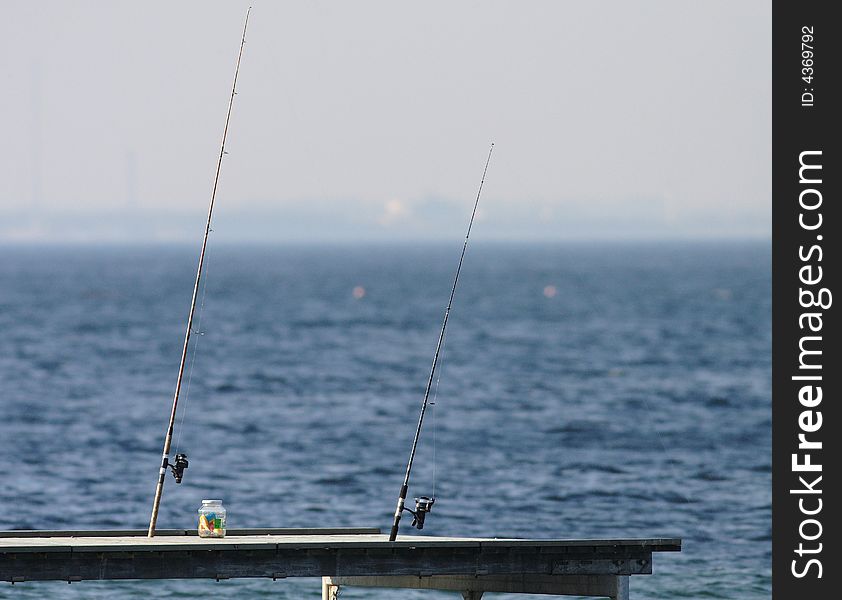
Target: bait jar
{"x":212,"y":519}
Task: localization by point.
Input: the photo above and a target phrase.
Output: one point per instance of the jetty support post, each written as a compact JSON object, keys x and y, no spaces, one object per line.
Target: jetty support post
{"x":330,"y":591}
{"x":472,"y":587}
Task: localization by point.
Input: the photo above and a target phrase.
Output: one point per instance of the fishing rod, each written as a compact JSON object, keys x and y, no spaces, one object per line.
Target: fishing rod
{"x":181,"y":459}
{"x":424,"y":504}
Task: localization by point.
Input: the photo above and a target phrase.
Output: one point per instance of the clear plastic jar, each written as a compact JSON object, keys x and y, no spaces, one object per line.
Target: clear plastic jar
{"x":212,"y":519}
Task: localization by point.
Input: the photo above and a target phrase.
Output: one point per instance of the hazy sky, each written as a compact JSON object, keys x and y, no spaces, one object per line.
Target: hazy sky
{"x":372,"y":120}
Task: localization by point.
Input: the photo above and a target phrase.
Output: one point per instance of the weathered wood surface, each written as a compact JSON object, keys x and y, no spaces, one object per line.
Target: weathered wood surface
{"x":118,"y":556}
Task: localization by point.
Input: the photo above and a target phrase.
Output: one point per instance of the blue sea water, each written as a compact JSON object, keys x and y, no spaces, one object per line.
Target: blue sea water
{"x":634,"y":402}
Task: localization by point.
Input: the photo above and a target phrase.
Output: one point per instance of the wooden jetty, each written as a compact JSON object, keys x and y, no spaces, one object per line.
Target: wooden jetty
{"x":340,"y":556}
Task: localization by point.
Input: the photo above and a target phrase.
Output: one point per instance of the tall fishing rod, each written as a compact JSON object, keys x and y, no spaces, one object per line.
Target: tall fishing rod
{"x":424,"y":504}
{"x":181,"y":459}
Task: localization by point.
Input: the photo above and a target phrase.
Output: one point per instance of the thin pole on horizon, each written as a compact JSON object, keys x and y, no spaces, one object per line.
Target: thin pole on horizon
{"x":393,"y":534}
{"x":168,"y":439}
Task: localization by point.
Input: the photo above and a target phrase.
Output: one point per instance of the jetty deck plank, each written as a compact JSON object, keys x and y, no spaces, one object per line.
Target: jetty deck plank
{"x":331,"y":553}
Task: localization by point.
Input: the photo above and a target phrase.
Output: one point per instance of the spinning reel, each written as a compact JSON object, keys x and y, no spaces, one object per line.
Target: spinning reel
{"x":177,"y":467}
{"x":423,"y":505}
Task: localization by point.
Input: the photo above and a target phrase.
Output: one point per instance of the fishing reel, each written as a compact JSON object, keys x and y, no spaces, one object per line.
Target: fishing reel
{"x":177,"y":467}
{"x":423,"y":505}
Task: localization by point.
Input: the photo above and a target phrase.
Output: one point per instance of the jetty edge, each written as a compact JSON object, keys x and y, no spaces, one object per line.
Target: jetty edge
{"x":357,"y":556}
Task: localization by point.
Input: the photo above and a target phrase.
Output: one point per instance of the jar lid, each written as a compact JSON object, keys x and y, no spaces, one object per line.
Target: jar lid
{"x":211,"y":501}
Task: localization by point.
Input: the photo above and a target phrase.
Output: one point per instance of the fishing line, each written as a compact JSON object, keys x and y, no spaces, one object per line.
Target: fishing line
{"x":201,"y":333}
{"x":434,"y":404}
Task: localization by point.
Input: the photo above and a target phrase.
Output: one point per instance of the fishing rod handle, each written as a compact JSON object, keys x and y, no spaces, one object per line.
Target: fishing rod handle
{"x":393,"y":534}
